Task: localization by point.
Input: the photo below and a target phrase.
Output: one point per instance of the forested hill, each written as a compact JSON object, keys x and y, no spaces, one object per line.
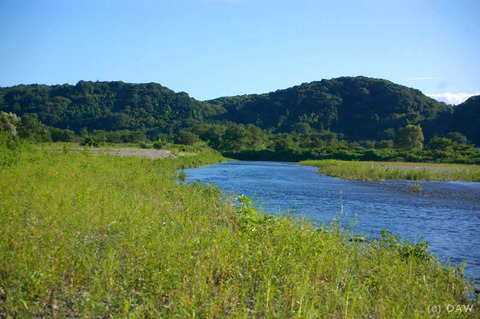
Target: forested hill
{"x":105,"y":105}
{"x":359,"y":107}
{"x":466,"y":119}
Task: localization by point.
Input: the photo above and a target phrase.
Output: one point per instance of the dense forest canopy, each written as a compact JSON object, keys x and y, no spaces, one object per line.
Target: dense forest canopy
{"x":467,"y":119}
{"x":356,"y":108}
{"x":106,"y":106}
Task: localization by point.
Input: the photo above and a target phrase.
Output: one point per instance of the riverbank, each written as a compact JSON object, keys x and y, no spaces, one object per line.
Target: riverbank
{"x":377,"y":171}
{"x":108,"y":236}
{"x":462,"y":155}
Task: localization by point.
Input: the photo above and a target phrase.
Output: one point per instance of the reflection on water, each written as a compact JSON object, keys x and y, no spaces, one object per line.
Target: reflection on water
{"x":446,"y":214}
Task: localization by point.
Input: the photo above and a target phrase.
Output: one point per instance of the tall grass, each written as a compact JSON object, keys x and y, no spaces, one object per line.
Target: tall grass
{"x":374,"y":171}
{"x":101,"y":237}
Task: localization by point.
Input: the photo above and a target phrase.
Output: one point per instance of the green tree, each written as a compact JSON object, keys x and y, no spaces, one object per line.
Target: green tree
{"x":186,"y":138}
{"x":214,"y":136}
{"x":234,"y":138}
{"x":9,"y":122}
{"x":329,"y":137}
{"x":409,"y":137}
{"x":302,"y":128}
{"x":284,"y":142}
{"x":83,"y":132}
{"x":384,"y":144}
{"x":59,"y":135}
{"x":368,"y":144}
{"x":31,"y":128}
{"x":256,"y":138}
{"x":441,"y":144}
{"x":457,"y":137}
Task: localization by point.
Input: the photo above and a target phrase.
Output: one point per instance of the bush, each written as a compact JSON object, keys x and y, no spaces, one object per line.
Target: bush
{"x":182,"y":176}
{"x":441,"y":144}
{"x":384,"y":144}
{"x":92,"y":140}
{"x":32,"y":129}
{"x":122,"y":136}
{"x":416,"y":188}
{"x":409,"y":137}
{"x":144,"y":145}
{"x":59,"y":135}
{"x":186,"y":138}
{"x":9,"y":147}
{"x":9,"y":122}
{"x":159,"y":144}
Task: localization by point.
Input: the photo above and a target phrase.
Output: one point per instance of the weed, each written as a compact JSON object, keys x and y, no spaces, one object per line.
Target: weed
{"x":375,"y":171}
{"x":105,"y":236}
{"x":416,"y":188}
{"x":182,"y":176}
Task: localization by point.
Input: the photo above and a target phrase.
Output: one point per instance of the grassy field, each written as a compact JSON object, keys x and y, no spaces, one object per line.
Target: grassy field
{"x":97,"y":236}
{"x":377,"y":171}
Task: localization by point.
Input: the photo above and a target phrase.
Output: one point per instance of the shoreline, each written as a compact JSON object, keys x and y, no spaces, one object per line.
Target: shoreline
{"x":381,"y":171}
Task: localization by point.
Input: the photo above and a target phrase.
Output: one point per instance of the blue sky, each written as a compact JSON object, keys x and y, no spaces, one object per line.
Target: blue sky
{"x":212,"y":48}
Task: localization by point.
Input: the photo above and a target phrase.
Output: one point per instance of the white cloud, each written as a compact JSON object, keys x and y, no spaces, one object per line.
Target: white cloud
{"x":452,"y":98}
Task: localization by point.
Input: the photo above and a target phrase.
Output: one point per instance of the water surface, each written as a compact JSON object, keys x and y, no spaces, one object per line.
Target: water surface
{"x":445,"y":214}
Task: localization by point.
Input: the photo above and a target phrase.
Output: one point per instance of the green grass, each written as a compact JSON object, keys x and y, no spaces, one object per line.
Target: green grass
{"x":109,"y":237}
{"x":375,"y":171}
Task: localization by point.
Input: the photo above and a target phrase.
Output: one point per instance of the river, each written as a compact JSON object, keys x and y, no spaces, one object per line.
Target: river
{"x":445,"y":214}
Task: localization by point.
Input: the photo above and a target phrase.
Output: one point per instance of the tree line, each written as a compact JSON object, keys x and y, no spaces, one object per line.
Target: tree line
{"x":349,"y":112}
{"x":249,"y":142}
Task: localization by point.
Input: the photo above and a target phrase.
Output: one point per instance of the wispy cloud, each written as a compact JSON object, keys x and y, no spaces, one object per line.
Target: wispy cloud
{"x":423,"y":78}
{"x":452,"y":98}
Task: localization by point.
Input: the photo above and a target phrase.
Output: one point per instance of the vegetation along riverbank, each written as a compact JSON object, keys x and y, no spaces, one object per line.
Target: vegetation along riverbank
{"x":88,"y":235}
{"x":377,"y":171}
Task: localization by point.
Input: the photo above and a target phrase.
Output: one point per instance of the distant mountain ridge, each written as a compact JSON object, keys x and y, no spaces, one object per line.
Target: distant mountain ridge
{"x":466,"y":119}
{"x":358,"y":107}
{"x":105,"y":105}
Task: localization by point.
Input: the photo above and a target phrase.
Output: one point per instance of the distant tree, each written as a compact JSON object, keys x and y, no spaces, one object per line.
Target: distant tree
{"x":329,"y":137}
{"x":134,"y":137}
{"x":302,"y":128}
{"x":368,"y":144}
{"x":234,"y":138}
{"x":213,"y":135}
{"x":115,"y":121}
{"x":317,"y":142}
{"x":31,"y":128}
{"x":389,"y":133}
{"x":409,"y":137}
{"x":162,"y":141}
{"x":9,"y":122}
{"x":384,"y":144}
{"x":186,"y":138}
{"x":59,"y":135}
{"x":255,"y":139}
{"x":93,"y":140}
{"x":466,"y":119}
{"x":83,"y":132}
{"x":284,"y":142}
{"x":457,"y":137}
{"x":441,"y":144}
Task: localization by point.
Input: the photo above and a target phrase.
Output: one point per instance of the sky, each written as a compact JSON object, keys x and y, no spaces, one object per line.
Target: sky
{"x":213,"y":48}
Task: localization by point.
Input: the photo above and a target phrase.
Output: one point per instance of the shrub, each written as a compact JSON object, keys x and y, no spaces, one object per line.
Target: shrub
{"x":92,"y":140}
{"x":416,"y":188}
{"x":186,"y":138}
